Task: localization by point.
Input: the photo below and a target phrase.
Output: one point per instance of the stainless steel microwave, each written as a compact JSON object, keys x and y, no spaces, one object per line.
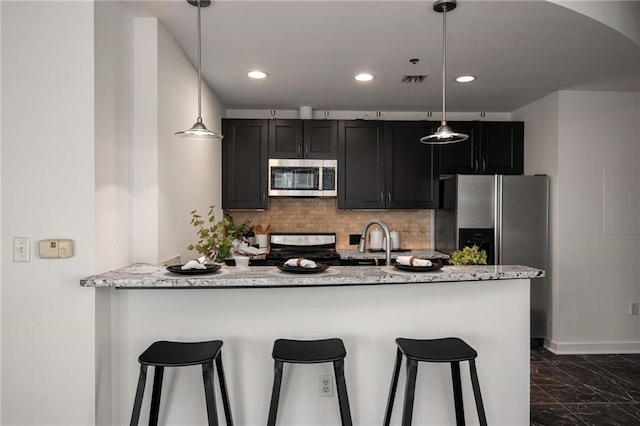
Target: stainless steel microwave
{"x":303,"y":178}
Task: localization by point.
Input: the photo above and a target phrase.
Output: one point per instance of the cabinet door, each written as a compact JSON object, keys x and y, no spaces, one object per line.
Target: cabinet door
{"x":285,"y":138}
{"x":361,"y":166}
{"x":244,"y":165}
{"x":320,"y":139}
{"x":412,"y":175}
{"x":461,"y":157}
{"x":502,"y":147}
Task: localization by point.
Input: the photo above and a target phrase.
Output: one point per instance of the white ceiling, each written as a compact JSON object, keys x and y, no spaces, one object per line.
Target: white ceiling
{"x":520,"y":51}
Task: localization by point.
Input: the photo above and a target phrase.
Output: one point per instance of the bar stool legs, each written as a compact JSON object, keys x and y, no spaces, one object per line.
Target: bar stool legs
{"x":457,"y":392}
{"x":343,"y":398}
{"x":207,"y":376}
{"x":223,"y":392}
{"x":392,"y":390}
{"x":476,"y":392}
{"x":137,"y":403}
{"x":275,"y":393}
{"x":310,"y":352}
{"x":451,"y":350}
{"x":163,"y":354}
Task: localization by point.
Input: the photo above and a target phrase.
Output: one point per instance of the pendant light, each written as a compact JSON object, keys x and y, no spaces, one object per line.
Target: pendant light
{"x":444,"y":134}
{"x":199,"y":130}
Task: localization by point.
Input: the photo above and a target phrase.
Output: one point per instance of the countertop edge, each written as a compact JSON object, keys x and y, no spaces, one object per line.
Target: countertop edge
{"x":147,"y":276}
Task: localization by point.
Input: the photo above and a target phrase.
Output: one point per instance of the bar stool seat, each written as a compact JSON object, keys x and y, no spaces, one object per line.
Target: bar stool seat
{"x":452,"y":350}
{"x":310,"y":352}
{"x":163,"y":354}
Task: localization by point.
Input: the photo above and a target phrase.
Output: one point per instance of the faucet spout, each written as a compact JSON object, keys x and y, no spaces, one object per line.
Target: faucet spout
{"x":362,"y":246}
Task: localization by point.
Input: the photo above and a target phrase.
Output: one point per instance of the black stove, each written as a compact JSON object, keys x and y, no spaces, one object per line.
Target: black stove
{"x":319,"y":247}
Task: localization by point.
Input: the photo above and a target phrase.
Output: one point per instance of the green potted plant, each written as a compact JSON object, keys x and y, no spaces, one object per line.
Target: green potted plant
{"x":469,"y":256}
{"x":215,"y":240}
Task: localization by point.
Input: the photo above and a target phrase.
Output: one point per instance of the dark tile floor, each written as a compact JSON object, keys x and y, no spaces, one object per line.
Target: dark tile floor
{"x":595,"y":390}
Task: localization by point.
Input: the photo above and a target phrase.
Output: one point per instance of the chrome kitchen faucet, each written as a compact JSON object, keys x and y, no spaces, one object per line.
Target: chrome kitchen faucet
{"x":362,"y":246}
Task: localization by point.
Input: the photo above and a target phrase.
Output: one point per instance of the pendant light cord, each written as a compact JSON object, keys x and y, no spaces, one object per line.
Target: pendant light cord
{"x":199,"y":65}
{"x":444,"y":61}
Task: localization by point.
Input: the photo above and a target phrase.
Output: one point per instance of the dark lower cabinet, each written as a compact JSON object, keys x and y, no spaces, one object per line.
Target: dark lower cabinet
{"x":493,"y":147}
{"x":383,"y":165}
{"x":244,"y":164}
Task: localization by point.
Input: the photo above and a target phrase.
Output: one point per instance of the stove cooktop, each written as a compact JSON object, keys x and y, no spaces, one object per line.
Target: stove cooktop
{"x":319,"y":247}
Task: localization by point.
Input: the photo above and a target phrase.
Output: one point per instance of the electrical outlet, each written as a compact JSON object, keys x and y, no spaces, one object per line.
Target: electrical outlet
{"x":633,"y":308}
{"x":326,"y":385}
{"x":354,"y":239}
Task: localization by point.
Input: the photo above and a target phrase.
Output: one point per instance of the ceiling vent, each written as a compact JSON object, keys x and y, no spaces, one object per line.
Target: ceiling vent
{"x":414,"y":78}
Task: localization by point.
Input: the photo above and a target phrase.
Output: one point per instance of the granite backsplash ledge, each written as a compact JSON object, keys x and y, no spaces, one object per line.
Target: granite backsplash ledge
{"x":323,"y":215}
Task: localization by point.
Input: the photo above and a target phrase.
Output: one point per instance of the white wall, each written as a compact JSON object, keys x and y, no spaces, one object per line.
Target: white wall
{"x":144,"y":160}
{"x":48,"y":192}
{"x":541,"y":157}
{"x":113,"y":145}
{"x":595,"y":270}
{"x":189,"y":171}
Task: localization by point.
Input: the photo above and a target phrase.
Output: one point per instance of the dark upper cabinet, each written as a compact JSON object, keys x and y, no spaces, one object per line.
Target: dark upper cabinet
{"x":411,"y":172}
{"x":502,"y":147}
{"x":361,"y":165}
{"x":244,"y":165}
{"x":317,"y":139}
{"x":383,"y":165}
{"x":493,"y":147}
{"x":461,"y":157}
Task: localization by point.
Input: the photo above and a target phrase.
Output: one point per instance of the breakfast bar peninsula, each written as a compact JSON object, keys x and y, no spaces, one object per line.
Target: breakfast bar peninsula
{"x":368,"y":307}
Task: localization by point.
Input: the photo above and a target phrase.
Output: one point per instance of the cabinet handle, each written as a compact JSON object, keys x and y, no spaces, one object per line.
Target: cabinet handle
{"x":484,"y":165}
{"x":475,"y":165}
{"x":298,"y":150}
{"x":264,"y":198}
{"x":388,"y":199}
{"x":382,"y":198}
{"x":306,"y":151}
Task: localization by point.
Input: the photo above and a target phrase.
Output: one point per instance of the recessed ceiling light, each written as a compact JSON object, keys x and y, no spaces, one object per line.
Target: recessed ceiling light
{"x":465,"y":79}
{"x":364,"y":77}
{"x":257,"y":74}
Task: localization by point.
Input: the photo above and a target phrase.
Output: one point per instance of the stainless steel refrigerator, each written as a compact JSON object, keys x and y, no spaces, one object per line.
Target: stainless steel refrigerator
{"x":508,"y":216}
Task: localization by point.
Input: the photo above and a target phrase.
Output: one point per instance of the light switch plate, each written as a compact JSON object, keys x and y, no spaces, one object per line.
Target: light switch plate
{"x":21,"y":249}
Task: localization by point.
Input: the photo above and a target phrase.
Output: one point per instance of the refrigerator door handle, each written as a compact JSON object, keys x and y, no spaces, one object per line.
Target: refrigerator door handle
{"x":497,"y":237}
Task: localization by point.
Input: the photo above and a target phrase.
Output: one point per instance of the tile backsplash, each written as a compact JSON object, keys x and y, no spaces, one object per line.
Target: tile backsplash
{"x":323,"y":215}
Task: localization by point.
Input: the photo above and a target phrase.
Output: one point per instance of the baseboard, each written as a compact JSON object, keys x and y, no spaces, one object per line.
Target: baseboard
{"x":566,"y":348}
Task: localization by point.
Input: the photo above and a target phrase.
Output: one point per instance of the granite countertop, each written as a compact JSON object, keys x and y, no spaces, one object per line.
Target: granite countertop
{"x":154,"y":276}
{"x":422,"y":253}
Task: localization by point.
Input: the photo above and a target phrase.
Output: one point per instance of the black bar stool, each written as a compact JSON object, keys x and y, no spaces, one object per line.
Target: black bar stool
{"x":180,"y":354}
{"x":310,"y":352}
{"x":451,"y":350}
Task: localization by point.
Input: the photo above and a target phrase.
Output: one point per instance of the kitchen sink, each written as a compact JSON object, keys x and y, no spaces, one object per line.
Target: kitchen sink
{"x":362,"y":262}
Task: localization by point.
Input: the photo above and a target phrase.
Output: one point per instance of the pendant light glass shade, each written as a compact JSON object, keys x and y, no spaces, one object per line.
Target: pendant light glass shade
{"x":199,"y":130}
{"x":444,"y":134}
